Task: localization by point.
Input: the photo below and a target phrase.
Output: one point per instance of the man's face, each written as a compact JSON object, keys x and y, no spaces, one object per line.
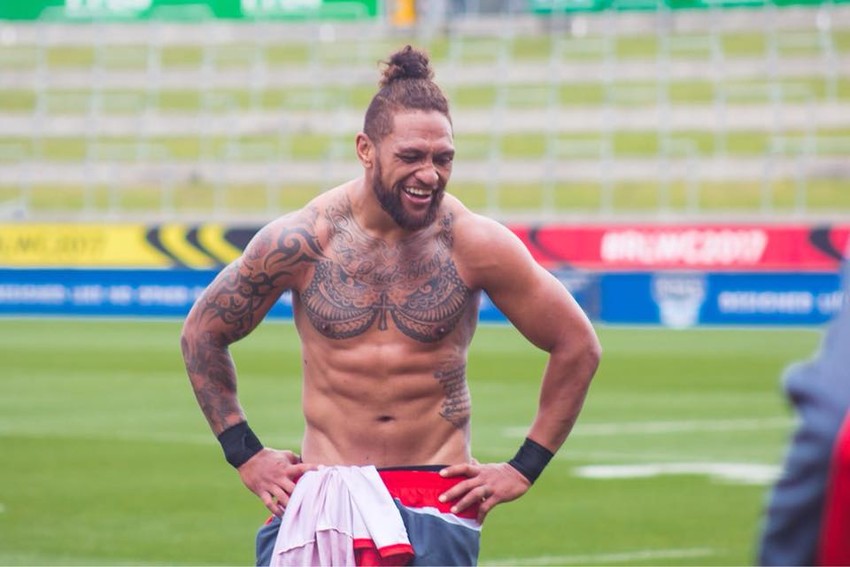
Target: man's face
{"x":413,"y":166}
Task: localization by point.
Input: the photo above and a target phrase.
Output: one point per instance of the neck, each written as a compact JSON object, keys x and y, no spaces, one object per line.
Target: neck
{"x":370,"y":216}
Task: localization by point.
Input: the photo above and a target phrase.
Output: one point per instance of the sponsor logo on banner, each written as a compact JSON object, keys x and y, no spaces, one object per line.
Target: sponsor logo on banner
{"x":692,"y":248}
{"x":106,"y":8}
{"x":77,"y":245}
{"x":791,"y":302}
{"x":256,"y":7}
{"x":679,"y":298}
{"x":764,"y":247}
{"x":169,"y":245}
{"x":766,"y":302}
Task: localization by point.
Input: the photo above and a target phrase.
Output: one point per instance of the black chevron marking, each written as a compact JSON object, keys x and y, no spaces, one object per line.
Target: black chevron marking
{"x":820,"y":238}
{"x":152,"y":237}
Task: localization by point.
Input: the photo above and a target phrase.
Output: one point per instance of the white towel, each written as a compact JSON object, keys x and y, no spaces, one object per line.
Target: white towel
{"x":333,"y":508}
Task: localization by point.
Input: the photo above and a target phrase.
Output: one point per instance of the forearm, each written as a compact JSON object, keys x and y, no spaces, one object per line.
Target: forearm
{"x":213,"y":377}
{"x":566,"y":380}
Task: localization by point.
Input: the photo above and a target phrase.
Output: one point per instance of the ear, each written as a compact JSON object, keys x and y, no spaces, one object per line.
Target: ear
{"x":365,"y":150}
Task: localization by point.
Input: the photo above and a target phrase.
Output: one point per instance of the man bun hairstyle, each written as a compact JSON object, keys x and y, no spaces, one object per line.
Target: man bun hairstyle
{"x":406,"y":84}
{"x":406,"y":64}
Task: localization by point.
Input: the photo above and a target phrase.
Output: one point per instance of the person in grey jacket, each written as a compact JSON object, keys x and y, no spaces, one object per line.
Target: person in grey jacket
{"x":819,"y":390}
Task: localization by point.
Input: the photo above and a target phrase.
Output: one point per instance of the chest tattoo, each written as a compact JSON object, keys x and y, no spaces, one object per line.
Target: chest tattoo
{"x":363,"y":282}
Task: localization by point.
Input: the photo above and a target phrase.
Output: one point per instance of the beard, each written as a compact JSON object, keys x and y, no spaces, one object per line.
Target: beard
{"x":391,"y":203}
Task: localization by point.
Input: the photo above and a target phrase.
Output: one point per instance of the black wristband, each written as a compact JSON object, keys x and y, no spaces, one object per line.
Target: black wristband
{"x":531,"y":459}
{"x":239,"y":444}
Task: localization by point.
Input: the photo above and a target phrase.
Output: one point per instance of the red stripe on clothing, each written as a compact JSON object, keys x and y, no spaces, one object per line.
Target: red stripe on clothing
{"x":418,"y":489}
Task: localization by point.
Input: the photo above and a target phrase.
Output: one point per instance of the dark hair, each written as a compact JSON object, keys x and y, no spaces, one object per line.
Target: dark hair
{"x":406,"y":84}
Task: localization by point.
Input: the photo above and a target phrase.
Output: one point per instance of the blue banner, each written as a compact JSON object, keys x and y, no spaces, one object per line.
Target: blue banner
{"x":124,"y":293}
{"x":672,"y":299}
{"x":683,"y":299}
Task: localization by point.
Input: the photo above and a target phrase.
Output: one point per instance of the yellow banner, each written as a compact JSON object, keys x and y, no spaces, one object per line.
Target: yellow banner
{"x":115,"y":245}
{"x":51,"y":245}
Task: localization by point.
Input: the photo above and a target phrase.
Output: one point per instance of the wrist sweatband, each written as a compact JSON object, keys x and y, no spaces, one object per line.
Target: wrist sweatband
{"x":531,"y":459}
{"x":239,"y":444}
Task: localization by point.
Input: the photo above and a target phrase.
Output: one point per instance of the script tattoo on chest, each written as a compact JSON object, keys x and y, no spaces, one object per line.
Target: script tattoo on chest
{"x":363,"y":281}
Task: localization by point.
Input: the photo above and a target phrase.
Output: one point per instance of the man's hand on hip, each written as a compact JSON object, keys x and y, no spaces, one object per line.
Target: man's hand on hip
{"x":486,"y":485}
{"x":271,"y":475}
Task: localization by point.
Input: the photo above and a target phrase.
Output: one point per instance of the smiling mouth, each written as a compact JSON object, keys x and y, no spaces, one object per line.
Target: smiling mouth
{"x":418,"y":193}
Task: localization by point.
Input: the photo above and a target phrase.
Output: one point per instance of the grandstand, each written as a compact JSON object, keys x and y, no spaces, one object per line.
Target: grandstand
{"x":629,"y":109}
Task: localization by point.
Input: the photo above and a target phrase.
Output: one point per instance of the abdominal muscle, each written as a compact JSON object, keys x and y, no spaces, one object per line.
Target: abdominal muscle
{"x":363,"y":439}
{"x":392,"y":405}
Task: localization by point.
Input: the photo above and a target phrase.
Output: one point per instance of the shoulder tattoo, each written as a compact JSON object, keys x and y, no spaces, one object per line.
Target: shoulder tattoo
{"x":244,"y":290}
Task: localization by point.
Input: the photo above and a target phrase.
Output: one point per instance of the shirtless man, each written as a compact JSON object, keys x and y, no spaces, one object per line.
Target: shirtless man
{"x":386,"y":273}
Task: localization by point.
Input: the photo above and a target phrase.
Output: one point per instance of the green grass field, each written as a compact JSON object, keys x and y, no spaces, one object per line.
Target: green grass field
{"x":106,"y":459}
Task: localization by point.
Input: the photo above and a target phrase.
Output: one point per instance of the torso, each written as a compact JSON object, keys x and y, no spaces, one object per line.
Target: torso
{"x":385,"y":328}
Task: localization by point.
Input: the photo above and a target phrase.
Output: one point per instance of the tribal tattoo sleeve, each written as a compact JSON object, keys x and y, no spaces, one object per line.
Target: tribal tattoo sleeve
{"x":235,"y":303}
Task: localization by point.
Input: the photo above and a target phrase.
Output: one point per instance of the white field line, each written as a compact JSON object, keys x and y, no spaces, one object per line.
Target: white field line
{"x":606,"y":558}
{"x":743,"y":473}
{"x":663,"y":427}
{"x":625,"y":457}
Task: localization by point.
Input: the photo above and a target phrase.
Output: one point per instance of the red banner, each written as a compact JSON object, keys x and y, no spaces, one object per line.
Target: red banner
{"x":693,"y":247}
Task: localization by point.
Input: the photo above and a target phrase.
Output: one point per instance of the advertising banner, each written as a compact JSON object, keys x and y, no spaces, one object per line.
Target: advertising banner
{"x":760,"y":247}
{"x":610,"y":247}
{"x":682,"y":300}
{"x":121,"y":245}
{"x":183,"y":10}
{"x":124,"y":293}
{"x":107,"y":292}
{"x":671,"y":299}
{"x":560,"y":6}
{"x":670,"y":275}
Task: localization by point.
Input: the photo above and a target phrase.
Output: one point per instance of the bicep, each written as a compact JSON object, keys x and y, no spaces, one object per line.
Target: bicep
{"x":242,"y":294}
{"x":496,"y":261}
{"x":235,"y":302}
{"x":533,"y":299}
{"x":538,"y":305}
